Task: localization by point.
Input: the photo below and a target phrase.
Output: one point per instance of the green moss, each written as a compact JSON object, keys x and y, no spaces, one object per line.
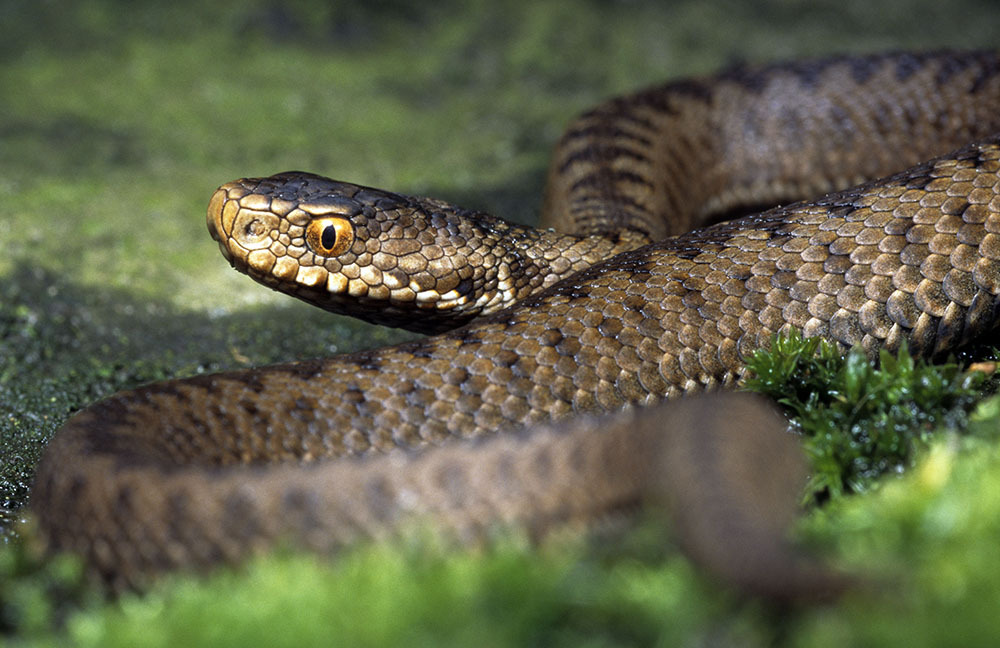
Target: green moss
{"x":37,"y":595}
{"x":928,"y":543}
{"x":860,"y":420}
{"x":416,"y":594}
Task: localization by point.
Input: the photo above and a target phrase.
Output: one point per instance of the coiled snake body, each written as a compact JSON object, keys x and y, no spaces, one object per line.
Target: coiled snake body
{"x":613,"y":311}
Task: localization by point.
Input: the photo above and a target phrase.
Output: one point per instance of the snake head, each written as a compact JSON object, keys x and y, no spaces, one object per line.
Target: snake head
{"x":415,"y":263}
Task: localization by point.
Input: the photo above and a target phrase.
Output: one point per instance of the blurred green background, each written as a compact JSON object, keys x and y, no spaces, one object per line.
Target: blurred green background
{"x":119,"y":119}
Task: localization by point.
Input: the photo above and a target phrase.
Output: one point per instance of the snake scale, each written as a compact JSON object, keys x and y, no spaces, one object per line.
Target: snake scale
{"x":539,"y":331}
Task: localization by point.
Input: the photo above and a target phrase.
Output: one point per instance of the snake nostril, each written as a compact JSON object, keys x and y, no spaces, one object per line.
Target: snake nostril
{"x":252,"y":229}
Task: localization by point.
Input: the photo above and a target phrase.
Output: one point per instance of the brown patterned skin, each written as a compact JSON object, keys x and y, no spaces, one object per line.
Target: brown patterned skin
{"x":147,"y":480}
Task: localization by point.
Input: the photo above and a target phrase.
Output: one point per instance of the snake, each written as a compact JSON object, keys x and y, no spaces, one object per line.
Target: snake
{"x":573,"y":371}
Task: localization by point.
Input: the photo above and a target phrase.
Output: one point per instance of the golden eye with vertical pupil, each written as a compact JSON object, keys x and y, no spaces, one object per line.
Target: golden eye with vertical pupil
{"x":329,"y":236}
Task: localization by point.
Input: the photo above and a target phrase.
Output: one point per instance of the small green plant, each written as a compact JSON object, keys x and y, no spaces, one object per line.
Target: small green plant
{"x":38,"y":593}
{"x":861,"y":419}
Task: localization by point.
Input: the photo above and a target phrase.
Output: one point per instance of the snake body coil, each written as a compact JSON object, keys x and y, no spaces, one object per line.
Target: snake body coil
{"x":206,"y":469}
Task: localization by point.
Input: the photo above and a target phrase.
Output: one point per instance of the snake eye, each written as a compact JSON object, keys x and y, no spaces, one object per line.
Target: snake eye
{"x":329,"y":236}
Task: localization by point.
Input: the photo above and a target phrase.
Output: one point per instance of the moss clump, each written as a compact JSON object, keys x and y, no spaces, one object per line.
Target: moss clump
{"x":859,"y":419}
{"x":417,"y":593}
{"x":928,"y":542}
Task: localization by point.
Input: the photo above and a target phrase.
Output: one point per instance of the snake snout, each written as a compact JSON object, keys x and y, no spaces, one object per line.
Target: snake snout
{"x":214,"y":217}
{"x":242,"y":226}
{"x":215,"y":221}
